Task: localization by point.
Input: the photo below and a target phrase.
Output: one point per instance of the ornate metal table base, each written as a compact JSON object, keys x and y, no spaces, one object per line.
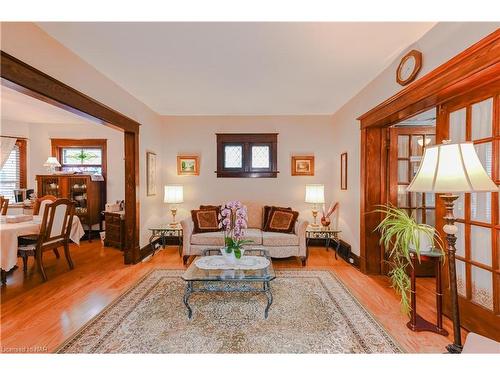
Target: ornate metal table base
{"x":162,"y":234}
{"x":215,"y":286}
{"x":324,"y":234}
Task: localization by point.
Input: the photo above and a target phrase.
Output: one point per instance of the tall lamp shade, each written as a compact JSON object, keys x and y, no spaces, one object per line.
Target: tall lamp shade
{"x":451,"y":168}
{"x":174,"y":194}
{"x":315,"y":194}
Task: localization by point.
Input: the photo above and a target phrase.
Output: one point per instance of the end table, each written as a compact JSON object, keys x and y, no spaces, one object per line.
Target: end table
{"x":324,"y":233}
{"x":417,"y":323}
{"x":163,"y":231}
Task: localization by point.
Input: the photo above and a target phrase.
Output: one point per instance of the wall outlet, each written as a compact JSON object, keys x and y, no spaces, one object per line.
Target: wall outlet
{"x":351,"y":260}
{"x":157,"y":246}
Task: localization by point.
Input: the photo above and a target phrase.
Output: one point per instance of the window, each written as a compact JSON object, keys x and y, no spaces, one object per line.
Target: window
{"x":86,"y":160}
{"x":247,"y":155}
{"x":86,"y":156}
{"x":13,"y":173}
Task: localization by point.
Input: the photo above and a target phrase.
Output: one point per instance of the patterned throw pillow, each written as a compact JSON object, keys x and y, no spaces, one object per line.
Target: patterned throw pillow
{"x":280,"y":220}
{"x":205,"y":220}
{"x":267,"y":210}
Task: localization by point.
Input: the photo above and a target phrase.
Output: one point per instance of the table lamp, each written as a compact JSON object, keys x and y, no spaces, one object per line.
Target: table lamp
{"x":174,"y":194}
{"x":449,"y":169}
{"x":315,"y":194}
{"x":52,"y":163}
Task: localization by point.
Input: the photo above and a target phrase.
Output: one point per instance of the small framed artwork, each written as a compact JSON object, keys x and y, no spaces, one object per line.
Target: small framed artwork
{"x":188,"y":165}
{"x":302,"y":165}
{"x":343,"y":171}
{"x":150,"y":173}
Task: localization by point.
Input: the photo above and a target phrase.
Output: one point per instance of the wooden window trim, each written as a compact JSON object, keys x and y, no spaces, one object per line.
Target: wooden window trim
{"x":247,"y":140}
{"x":23,"y":169}
{"x":58,"y":144}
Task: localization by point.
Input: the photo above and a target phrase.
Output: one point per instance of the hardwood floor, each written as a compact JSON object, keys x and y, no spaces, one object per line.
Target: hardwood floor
{"x":37,"y":317}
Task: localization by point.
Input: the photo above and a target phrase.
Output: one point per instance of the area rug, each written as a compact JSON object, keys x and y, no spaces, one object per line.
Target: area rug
{"x":312,"y":312}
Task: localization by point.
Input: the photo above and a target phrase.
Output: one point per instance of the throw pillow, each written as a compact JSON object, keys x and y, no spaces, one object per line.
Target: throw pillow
{"x":205,"y":220}
{"x":280,"y":220}
{"x":267,"y":210}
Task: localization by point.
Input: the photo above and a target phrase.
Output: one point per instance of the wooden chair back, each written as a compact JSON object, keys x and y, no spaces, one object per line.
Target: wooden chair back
{"x":4,"y":206}
{"x":56,"y":224}
{"x":38,"y":202}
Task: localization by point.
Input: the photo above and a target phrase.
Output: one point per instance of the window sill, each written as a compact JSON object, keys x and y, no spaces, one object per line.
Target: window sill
{"x":228,"y":174}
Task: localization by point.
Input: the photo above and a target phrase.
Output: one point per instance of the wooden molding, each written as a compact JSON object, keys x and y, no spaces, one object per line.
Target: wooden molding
{"x":476,"y":66}
{"x":30,"y":81}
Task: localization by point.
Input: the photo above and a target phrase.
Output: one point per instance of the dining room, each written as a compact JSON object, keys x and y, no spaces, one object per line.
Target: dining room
{"x":58,"y":171}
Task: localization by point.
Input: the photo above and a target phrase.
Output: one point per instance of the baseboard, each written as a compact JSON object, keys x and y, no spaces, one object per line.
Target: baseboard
{"x":353,"y":259}
{"x":148,"y":250}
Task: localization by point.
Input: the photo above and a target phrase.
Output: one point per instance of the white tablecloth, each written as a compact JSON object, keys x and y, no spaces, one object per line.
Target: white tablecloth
{"x":11,"y":231}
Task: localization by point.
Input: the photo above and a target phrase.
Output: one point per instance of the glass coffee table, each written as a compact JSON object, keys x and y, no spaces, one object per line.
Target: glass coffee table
{"x":229,"y":280}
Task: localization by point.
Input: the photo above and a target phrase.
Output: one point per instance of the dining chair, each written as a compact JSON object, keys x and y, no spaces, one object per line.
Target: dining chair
{"x":38,"y":209}
{"x":54,"y":232}
{"x":4,"y":206}
{"x":38,"y":203}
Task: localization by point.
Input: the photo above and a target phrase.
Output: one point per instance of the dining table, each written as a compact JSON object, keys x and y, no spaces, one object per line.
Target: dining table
{"x":9,"y":233}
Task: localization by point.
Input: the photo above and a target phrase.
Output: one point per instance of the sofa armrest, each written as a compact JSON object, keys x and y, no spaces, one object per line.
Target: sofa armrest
{"x":300,"y":227}
{"x":187,"y":229}
{"x":300,"y":231}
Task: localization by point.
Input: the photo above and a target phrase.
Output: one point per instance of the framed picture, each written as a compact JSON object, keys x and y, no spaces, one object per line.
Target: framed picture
{"x":150,"y":173}
{"x":188,"y":165}
{"x":302,"y":165}
{"x":343,"y":171}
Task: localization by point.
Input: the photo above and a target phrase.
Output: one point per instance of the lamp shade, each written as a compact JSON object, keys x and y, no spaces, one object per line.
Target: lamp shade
{"x":173,"y":194}
{"x":451,"y":168}
{"x":51,"y":162}
{"x":315,"y":193}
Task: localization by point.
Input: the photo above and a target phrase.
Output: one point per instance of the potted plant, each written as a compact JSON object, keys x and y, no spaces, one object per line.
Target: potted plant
{"x":401,"y":234}
{"x":233,"y":219}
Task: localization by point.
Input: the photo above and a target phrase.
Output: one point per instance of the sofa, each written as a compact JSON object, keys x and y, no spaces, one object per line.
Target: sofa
{"x":279,"y":245}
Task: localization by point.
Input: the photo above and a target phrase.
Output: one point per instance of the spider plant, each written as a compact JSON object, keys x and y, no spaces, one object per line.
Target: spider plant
{"x":400,"y":233}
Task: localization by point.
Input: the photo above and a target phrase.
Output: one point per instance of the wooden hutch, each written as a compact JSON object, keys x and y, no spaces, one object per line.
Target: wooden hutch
{"x":87,"y":194}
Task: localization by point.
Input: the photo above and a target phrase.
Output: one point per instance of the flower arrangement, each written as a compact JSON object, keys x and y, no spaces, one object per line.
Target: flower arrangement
{"x":233,"y":219}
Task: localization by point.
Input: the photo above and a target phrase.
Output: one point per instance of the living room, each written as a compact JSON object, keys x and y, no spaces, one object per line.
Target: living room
{"x":257,"y":176}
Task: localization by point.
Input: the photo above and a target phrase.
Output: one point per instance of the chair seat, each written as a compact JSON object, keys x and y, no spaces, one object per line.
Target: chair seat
{"x":28,"y":239}
{"x":26,"y":250}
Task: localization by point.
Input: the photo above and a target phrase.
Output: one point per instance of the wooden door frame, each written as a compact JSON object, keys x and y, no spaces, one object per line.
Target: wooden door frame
{"x":28,"y":80}
{"x":477,"y":66}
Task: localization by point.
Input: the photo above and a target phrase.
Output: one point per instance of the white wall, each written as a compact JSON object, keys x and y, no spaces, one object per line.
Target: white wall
{"x":27,"y":42}
{"x":440,"y":44}
{"x":39,"y":148}
{"x":298,"y":135}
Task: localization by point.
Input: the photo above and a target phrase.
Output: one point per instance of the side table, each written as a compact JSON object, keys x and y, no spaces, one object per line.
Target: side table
{"x":163,"y":231}
{"x":324,"y":233}
{"x":417,"y":323}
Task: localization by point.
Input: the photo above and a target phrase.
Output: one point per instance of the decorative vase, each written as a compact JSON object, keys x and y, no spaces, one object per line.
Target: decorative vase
{"x":230,"y":258}
{"x":325,"y":221}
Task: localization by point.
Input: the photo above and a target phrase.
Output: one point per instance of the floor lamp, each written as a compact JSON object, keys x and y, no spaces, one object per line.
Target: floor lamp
{"x":449,"y":169}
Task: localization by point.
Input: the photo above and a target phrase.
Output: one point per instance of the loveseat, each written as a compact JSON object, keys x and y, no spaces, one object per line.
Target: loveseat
{"x":279,"y":245}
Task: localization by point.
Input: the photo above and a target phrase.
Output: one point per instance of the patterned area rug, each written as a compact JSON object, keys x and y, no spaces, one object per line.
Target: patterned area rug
{"x":312,"y":312}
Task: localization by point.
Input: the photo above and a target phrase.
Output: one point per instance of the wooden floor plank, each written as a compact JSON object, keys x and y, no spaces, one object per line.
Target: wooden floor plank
{"x":38,"y":316}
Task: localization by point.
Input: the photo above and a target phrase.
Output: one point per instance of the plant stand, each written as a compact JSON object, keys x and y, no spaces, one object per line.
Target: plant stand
{"x":417,"y":323}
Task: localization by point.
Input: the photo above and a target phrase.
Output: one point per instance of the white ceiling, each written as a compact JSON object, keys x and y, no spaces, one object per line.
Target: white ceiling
{"x":239,"y":68}
{"x":23,"y":108}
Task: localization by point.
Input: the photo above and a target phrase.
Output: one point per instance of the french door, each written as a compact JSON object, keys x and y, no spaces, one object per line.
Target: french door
{"x":406,"y":148}
{"x":475,"y":117}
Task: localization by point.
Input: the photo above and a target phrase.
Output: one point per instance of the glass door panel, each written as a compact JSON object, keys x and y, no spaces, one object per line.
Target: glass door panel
{"x":477,"y":120}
